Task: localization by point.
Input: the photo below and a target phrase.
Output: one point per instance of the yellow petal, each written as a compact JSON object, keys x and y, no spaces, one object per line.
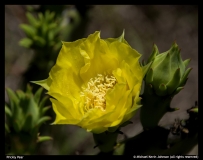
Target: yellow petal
{"x":44,"y":83}
{"x":70,"y":57}
{"x":117,"y":73}
{"x":98,"y":58}
{"x":121,"y":108}
{"x":63,"y":113}
{"x":128,"y":75}
{"x":97,"y":130}
{"x":65,"y":82}
{"x":71,"y":104}
{"x":132,"y":110}
{"x":114,"y":95}
{"x":124,"y":52}
{"x":120,"y":39}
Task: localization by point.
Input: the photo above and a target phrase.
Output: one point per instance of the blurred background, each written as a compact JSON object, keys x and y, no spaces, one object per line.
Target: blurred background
{"x":31,"y":59}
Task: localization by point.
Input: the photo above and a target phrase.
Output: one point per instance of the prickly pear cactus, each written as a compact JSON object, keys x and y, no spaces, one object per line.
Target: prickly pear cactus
{"x":165,"y":78}
{"x":42,"y":31}
{"x":25,"y":113}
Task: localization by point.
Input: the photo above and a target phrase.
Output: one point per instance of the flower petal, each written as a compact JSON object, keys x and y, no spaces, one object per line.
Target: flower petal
{"x":70,"y":57}
{"x":98,"y":58}
{"x":44,"y":83}
{"x":120,"y":39}
{"x":65,"y":82}
{"x":124,"y":104}
{"x":97,"y":130}
{"x":70,"y":103}
{"x":131,"y":112}
{"x":124,"y":52}
{"x":63,"y":113}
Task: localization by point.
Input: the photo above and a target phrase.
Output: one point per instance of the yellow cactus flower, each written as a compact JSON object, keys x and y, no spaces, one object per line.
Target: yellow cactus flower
{"x":95,"y":83}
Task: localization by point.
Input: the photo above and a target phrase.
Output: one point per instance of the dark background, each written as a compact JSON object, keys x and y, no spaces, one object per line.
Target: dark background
{"x":144,"y":25}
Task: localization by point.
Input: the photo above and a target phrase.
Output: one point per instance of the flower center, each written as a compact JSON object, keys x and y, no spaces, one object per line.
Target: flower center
{"x":95,"y":92}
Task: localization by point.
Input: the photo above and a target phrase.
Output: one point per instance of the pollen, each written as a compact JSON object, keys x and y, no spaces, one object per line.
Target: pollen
{"x":95,"y":91}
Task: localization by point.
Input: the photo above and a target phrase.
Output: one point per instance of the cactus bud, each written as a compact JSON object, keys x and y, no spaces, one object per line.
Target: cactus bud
{"x":169,"y":69}
{"x":164,"y":79}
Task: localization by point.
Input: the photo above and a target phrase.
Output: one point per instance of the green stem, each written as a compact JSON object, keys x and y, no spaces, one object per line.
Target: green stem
{"x":153,"y":109}
{"x":105,"y":141}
